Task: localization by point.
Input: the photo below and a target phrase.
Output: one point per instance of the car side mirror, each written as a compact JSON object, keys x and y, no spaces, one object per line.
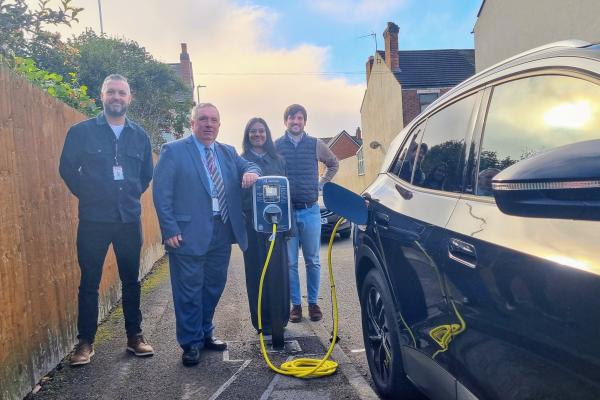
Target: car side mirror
{"x":561,"y":183}
{"x":345,"y":203}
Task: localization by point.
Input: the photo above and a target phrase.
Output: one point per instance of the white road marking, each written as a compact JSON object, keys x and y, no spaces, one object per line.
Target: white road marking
{"x":357,"y":351}
{"x":192,"y":391}
{"x":229,"y":381}
{"x":226,"y":357}
{"x":274,"y":382}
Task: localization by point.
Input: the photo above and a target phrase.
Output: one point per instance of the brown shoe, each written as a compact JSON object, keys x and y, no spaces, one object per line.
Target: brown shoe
{"x":314,"y":312}
{"x":83,"y":353}
{"x":138,"y":346}
{"x":296,"y":313}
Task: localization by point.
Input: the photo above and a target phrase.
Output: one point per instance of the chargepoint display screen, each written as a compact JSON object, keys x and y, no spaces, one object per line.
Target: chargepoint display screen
{"x":271,"y":193}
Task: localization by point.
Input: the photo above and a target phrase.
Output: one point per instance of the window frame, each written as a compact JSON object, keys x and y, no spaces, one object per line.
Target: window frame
{"x":472,"y":132}
{"x":423,"y":106}
{"x":360,"y":157}
{"x":422,"y":123}
{"x":472,"y":129}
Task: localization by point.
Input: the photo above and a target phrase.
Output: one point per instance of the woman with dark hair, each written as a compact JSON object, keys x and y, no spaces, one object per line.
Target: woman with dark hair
{"x":436,"y":178}
{"x":259,"y":148}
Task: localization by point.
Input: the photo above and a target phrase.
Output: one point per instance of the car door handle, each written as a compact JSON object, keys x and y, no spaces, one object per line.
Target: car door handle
{"x":462,"y":252}
{"x":405,"y":193}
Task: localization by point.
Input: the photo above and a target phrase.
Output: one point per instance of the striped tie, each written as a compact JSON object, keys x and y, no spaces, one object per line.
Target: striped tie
{"x":217,"y":182}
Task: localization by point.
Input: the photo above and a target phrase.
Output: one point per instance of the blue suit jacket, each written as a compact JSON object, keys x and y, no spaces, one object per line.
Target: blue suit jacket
{"x":181,"y":192}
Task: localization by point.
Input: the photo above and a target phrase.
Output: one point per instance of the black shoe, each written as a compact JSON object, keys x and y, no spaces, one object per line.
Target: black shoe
{"x":191,"y":356}
{"x":212,"y":343}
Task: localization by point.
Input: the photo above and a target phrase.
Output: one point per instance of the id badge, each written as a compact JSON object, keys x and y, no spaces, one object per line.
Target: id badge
{"x":118,"y":173}
{"x":215,"y":204}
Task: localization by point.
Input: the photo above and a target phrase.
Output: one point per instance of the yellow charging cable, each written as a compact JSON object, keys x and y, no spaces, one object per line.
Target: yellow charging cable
{"x":443,"y":334}
{"x":303,"y":367}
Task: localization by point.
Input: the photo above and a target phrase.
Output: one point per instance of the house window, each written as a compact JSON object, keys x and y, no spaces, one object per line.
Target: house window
{"x":361,"y":161}
{"x":425,"y":99}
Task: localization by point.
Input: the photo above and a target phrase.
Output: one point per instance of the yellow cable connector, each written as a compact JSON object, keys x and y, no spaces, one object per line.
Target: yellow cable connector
{"x":303,"y":367}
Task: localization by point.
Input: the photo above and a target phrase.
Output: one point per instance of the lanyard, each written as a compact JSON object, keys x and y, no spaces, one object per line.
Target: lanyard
{"x":116,"y":151}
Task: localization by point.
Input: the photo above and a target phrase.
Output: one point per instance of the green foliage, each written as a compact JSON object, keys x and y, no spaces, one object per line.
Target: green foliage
{"x":161,"y":100}
{"x":23,"y":32}
{"x":70,"y":92}
{"x":489,"y":159}
{"x":74,"y":70}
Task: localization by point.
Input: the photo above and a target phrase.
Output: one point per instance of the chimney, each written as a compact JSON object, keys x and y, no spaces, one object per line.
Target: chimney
{"x":390,"y":36}
{"x":369,"y":67}
{"x":184,"y":54}
{"x":358,"y":133}
{"x":185,"y":66}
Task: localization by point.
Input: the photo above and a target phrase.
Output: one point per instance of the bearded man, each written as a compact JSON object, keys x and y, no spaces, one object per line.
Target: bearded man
{"x":106,"y":163}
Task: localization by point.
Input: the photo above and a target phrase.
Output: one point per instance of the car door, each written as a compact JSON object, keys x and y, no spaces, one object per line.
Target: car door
{"x":409,"y":214}
{"x":527,"y":288}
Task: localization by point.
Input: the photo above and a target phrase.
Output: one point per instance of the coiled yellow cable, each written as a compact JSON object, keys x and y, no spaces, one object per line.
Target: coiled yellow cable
{"x":443,"y":334}
{"x":303,"y":367}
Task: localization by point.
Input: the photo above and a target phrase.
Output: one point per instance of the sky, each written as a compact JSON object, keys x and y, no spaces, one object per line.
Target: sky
{"x":257,"y":57}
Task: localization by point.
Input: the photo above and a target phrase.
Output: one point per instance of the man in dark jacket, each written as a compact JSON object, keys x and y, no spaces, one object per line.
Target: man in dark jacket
{"x":106,"y":163}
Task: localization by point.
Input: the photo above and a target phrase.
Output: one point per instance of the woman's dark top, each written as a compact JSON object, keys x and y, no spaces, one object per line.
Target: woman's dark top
{"x":268,"y":166}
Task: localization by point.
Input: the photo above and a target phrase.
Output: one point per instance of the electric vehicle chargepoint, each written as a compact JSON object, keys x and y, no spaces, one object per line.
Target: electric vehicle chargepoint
{"x":271,"y":202}
{"x":271,"y":207}
{"x":272,"y":215}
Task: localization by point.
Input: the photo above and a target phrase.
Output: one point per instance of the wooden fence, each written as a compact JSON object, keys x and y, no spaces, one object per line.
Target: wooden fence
{"x":39,"y":275}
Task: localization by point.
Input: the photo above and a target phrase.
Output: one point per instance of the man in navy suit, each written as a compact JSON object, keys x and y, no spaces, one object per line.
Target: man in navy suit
{"x":198,"y":198}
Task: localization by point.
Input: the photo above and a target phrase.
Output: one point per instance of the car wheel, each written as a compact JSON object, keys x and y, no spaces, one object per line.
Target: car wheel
{"x":382,"y":338}
{"x":345,"y":234}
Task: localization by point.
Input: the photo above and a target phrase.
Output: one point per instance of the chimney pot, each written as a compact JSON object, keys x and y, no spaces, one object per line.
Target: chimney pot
{"x":184,"y":56}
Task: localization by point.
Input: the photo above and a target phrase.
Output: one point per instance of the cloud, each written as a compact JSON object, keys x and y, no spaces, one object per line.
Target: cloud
{"x":232,"y":55}
{"x":352,"y":11}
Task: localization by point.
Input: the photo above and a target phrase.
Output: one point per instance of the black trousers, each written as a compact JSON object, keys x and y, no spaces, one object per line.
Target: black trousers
{"x":275,"y":290}
{"x":93,"y":239}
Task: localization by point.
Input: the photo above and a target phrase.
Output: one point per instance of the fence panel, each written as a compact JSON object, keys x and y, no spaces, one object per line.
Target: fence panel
{"x":39,"y":274}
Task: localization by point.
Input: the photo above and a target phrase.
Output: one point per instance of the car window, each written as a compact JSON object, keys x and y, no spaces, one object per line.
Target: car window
{"x":438,"y":164}
{"x":402,"y":166}
{"x":534,"y":114}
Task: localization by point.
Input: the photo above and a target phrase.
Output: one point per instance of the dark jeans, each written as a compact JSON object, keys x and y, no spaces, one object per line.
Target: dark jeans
{"x":93,"y":239}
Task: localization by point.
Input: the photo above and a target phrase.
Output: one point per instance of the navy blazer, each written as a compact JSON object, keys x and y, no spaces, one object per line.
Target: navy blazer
{"x":182,"y":198}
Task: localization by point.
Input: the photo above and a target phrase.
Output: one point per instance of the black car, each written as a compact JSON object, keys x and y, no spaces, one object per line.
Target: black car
{"x":478,"y":268}
{"x":328,"y":221}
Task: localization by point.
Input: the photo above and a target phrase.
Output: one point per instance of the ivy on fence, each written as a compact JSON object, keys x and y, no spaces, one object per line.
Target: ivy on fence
{"x":55,"y":85}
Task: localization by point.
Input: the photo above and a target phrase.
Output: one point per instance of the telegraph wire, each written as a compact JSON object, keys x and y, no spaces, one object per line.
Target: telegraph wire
{"x":290,"y":73}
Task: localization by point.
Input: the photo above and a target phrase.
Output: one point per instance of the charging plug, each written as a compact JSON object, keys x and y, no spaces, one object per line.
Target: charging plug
{"x":272,"y":214}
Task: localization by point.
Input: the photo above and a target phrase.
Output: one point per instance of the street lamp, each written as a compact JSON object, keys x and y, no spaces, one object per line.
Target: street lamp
{"x":100,"y":13}
{"x":198,"y":92}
